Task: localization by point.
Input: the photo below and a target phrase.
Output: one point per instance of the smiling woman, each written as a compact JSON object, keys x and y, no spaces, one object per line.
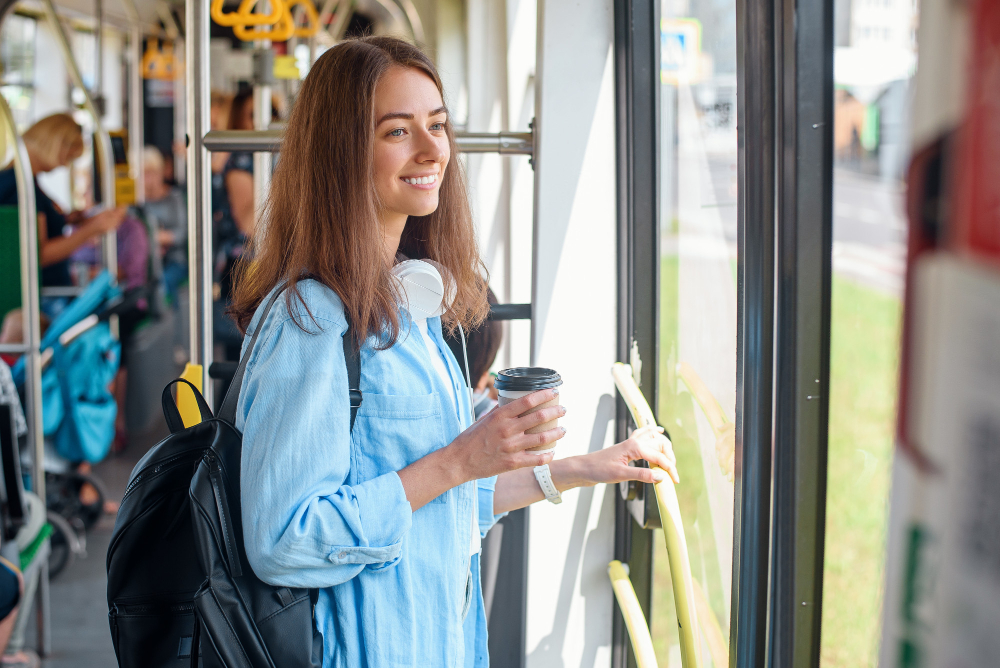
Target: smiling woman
{"x":374,"y":113}
{"x":383,"y":515}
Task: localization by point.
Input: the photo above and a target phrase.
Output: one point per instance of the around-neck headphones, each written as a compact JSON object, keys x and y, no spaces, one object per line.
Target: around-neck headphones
{"x":422,"y":287}
{"x":427,"y":291}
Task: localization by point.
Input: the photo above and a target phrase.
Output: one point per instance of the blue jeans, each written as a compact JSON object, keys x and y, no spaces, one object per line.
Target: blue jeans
{"x":174,"y":275}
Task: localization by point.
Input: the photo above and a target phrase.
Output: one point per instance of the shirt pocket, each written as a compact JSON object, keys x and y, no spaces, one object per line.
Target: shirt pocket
{"x":394,"y":430}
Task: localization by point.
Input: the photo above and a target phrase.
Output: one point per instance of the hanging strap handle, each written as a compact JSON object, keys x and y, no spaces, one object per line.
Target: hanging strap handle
{"x":352,"y":357}
{"x":174,"y":421}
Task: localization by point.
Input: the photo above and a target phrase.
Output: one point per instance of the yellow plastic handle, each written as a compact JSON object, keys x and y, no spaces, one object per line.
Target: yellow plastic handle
{"x":187,"y":405}
{"x":312,"y":18}
{"x":635,"y":621}
{"x":283,"y":29}
{"x":244,"y":16}
{"x":673,"y":526}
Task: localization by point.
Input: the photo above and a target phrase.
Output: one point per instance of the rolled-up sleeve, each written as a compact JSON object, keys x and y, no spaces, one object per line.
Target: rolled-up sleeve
{"x":485,"y":488}
{"x":303,"y":524}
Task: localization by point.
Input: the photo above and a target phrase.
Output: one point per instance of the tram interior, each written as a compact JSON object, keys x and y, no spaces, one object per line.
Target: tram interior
{"x":613,"y":166}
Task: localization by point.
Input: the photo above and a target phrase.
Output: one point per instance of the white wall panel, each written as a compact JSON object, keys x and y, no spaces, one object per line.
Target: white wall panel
{"x":574,"y":296}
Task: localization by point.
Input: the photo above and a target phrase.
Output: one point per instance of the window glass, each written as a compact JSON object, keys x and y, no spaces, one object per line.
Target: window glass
{"x":874,"y":62}
{"x":697,"y":353}
{"x":17,"y":66}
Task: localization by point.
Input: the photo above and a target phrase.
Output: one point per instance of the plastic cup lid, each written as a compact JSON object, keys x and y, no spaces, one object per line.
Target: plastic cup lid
{"x":527,"y":378}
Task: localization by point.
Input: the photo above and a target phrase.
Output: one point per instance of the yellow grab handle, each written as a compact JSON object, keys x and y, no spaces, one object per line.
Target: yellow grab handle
{"x":244,"y":16}
{"x":312,"y":18}
{"x":680,"y":571}
{"x":642,"y":415}
{"x":635,"y":621}
{"x":283,"y":28}
{"x":187,"y":405}
{"x":670,"y":519}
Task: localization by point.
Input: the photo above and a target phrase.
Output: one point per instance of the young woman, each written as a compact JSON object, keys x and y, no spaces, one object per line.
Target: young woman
{"x":384,"y":519}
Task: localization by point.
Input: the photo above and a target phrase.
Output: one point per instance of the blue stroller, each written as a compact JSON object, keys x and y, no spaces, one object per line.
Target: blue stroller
{"x":80,"y":359}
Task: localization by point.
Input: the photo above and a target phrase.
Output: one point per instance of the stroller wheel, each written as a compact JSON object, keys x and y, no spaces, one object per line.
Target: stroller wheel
{"x":63,"y":493}
{"x":64,"y":543}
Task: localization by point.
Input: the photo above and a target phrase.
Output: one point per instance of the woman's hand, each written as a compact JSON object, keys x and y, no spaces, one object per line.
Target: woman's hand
{"x":517,"y":489}
{"x":498,"y":442}
{"x":106,"y":221}
{"x":611,"y":465}
{"x":493,"y":445}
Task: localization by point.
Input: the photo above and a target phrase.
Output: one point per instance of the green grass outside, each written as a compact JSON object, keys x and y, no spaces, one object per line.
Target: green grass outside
{"x":864,"y":353}
{"x":863,"y":388}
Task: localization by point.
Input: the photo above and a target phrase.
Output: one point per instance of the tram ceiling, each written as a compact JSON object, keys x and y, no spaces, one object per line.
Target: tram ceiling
{"x":504,"y":143}
{"x":115,"y":12}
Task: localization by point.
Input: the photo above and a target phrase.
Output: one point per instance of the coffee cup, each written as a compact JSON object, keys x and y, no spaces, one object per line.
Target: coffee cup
{"x":512,"y":384}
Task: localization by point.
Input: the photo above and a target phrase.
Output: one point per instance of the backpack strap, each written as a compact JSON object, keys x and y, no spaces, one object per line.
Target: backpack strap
{"x":173,"y":416}
{"x":227,"y":412}
{"x":353,"y":358}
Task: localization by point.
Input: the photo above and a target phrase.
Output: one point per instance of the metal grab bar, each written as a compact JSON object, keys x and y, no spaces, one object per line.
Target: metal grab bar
{"x":31,"y":314}
{"x":670,"y":519}
{"x":105,"y":156}
{"x":635,"y":621}
{"x":504,"y":143}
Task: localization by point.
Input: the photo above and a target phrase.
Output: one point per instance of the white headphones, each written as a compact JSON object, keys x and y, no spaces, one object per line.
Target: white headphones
{"x":421,"y":284}
{"x":426,"y":294}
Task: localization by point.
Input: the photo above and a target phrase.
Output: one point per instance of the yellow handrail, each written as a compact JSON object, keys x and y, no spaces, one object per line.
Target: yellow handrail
{"x":284,"y":28}
{"x":635,"y":621}
{"x":673,"y":526}
{"x":244,"y":16}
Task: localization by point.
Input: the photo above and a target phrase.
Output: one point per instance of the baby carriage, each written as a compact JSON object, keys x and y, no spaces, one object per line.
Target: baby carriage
{"x":80,"y":358}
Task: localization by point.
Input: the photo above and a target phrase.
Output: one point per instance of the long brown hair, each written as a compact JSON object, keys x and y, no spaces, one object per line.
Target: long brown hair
{"x":321,"y":217}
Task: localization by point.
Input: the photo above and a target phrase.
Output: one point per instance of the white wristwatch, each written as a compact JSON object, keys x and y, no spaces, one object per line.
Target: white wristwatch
{"x":544,"y":478}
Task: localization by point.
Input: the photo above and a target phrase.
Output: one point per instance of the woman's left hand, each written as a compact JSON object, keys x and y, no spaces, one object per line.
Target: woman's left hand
{"x":611,"y":465}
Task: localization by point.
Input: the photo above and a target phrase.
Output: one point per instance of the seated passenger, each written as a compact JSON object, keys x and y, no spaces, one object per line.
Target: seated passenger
{"x":386,"y":520}
{"x":167,"y":206}
{"x":53,"y":142}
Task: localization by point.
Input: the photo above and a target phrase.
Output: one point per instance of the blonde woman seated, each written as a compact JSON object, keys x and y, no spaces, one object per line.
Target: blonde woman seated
{"x":53,"y":142}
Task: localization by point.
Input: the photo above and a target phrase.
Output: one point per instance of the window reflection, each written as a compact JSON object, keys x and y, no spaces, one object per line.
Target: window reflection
{"x":697,"y":353}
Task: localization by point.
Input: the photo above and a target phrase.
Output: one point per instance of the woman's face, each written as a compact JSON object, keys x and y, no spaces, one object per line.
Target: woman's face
{"x":411,"y":146}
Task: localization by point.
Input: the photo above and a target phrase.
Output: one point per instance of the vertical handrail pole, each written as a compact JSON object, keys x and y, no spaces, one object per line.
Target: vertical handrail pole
{"x":28,"y":231}
{"x":261,"y":121}
{"x":755,"y":266}
{"x":136,"y":135}
{"x":199,"y":184}
{"x":102,"y":144}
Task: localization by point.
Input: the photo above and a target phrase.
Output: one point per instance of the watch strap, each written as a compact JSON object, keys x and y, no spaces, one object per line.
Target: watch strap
{"x":544,"y":478}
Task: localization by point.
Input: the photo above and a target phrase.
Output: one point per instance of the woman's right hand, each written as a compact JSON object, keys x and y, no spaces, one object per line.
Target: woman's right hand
{"x":107,"y":220}
{"x":496,"y":443}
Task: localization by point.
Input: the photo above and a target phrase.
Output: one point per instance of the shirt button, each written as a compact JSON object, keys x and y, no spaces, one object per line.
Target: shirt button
{"x":342,"y":555}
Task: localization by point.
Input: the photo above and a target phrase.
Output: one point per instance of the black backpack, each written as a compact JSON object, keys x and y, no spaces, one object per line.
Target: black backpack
{"x":178,"y":576}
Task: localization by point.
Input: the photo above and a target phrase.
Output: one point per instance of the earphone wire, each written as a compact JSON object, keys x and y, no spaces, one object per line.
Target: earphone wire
{"x":468,"y":376}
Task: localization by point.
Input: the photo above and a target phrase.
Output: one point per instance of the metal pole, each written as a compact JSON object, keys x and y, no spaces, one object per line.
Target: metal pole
{"x":199,"y":185}
{"x":136,"y":137}
{"x":504,"y":143}
{"x":28,"y":230}
{"x":99,"y":51}
{"x":102,"y":141}
{"x":755,"y":56}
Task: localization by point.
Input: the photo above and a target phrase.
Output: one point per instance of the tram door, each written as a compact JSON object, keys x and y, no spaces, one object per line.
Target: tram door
{"x":696,"y":354}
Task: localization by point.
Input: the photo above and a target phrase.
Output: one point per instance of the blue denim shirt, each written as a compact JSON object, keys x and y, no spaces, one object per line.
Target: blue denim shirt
{"x":324,"y":506}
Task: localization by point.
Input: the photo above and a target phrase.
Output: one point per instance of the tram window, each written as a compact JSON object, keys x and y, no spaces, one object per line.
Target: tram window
{"x":17,"y":66}
{"x":869,"y":243}
{"x":697,"y":351}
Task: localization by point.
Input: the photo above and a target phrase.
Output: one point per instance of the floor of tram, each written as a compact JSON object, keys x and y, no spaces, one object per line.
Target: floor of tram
{"x":81,"y":637}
